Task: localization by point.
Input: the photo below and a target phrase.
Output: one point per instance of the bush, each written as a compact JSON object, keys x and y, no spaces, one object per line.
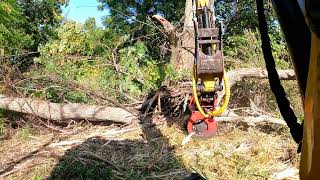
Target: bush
{"x":114,"y":69}
{"x":74,"y":39}
{"x":245,"y":50}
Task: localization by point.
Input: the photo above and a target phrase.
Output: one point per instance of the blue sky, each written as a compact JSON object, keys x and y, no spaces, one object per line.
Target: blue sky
{"x":80,"y":10}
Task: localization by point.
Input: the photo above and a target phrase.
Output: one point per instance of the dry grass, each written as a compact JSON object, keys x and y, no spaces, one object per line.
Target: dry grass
{"x":257,"y":93}
{"x":239,"y":154}
{"x":155,"y":152}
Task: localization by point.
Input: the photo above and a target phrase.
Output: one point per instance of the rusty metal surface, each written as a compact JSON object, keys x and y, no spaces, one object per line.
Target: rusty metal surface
{"x":208,"y":32}
{"x":210,"y":65}
{"x":209,"y":41}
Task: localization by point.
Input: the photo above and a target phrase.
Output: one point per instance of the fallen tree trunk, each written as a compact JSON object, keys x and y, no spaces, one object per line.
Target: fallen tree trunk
{"x":251,"y":120}
{"x":258,"y":73}
{"x":234,"y":76}
{"x":240,"y":74}
{"x":63,"y":112}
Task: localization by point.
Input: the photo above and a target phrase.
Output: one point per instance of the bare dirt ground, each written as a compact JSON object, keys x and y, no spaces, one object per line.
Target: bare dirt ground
{"x":149,"y":151}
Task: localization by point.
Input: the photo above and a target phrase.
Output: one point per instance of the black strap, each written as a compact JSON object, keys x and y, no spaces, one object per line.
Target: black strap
{"x":286,"y":111}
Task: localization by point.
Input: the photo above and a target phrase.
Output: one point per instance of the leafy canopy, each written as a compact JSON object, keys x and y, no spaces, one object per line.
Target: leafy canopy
{"x":25,"y":24}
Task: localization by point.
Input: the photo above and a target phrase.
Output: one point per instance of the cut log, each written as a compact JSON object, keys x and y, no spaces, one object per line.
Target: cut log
{"x":62,"y":112}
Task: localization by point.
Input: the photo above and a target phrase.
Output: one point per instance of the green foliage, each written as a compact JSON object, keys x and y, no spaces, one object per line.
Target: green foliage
{"x":12,"y":37}
{"x":74,"y":39}
{"x":77,"y":97}
{"x":37,"y":178}
{"x":240,"y":15}
{"x":246,"y":51}
{"x":69,"y":57}
{"x":41,"y":19}
{"x":174,"y":76}
{"x":141,"y":67}
{"x":25,"y":24}
{"x":133,"y":18}
{"x":173,"y":10}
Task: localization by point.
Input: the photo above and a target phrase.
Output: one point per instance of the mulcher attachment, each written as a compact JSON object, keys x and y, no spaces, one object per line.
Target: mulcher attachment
{"x":208,"y":70}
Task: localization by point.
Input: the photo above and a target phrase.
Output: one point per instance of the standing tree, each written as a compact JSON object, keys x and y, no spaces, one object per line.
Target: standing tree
{"x":134,"y":17}
{"x":41,"y":19}
{"x":25,"y":24}
{"x":12,"y":37}
{"x":176,"y":18}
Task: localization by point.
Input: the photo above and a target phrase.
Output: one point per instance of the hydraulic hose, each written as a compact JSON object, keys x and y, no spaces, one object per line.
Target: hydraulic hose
{"x":215,"y":112}
{"x":286,"y":111}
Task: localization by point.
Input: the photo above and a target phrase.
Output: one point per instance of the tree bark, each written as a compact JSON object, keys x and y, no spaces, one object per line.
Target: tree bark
{"x":170,"y":30}
{"x":181,"y":44}
{"x":187,"y":39}
{"x":63,"y":112}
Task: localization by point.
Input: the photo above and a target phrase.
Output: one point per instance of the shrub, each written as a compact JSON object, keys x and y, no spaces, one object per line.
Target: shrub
{"x":245,"y":50}
{"x":116,"y":68}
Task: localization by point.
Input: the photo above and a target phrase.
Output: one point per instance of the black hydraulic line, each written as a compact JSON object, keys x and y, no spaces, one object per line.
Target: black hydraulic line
{"x":298,"y":37}
{"x":206,"y":24}
{"x":200,"y":22}
{"x":196,"y":27}
{"x":313,"y":15}
{"x":205,"y":16}
{"x":286,"y":111}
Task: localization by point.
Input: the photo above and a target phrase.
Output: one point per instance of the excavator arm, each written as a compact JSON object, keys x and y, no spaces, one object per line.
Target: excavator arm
{"x":208,"y":76}
{"x":300,"y":23}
